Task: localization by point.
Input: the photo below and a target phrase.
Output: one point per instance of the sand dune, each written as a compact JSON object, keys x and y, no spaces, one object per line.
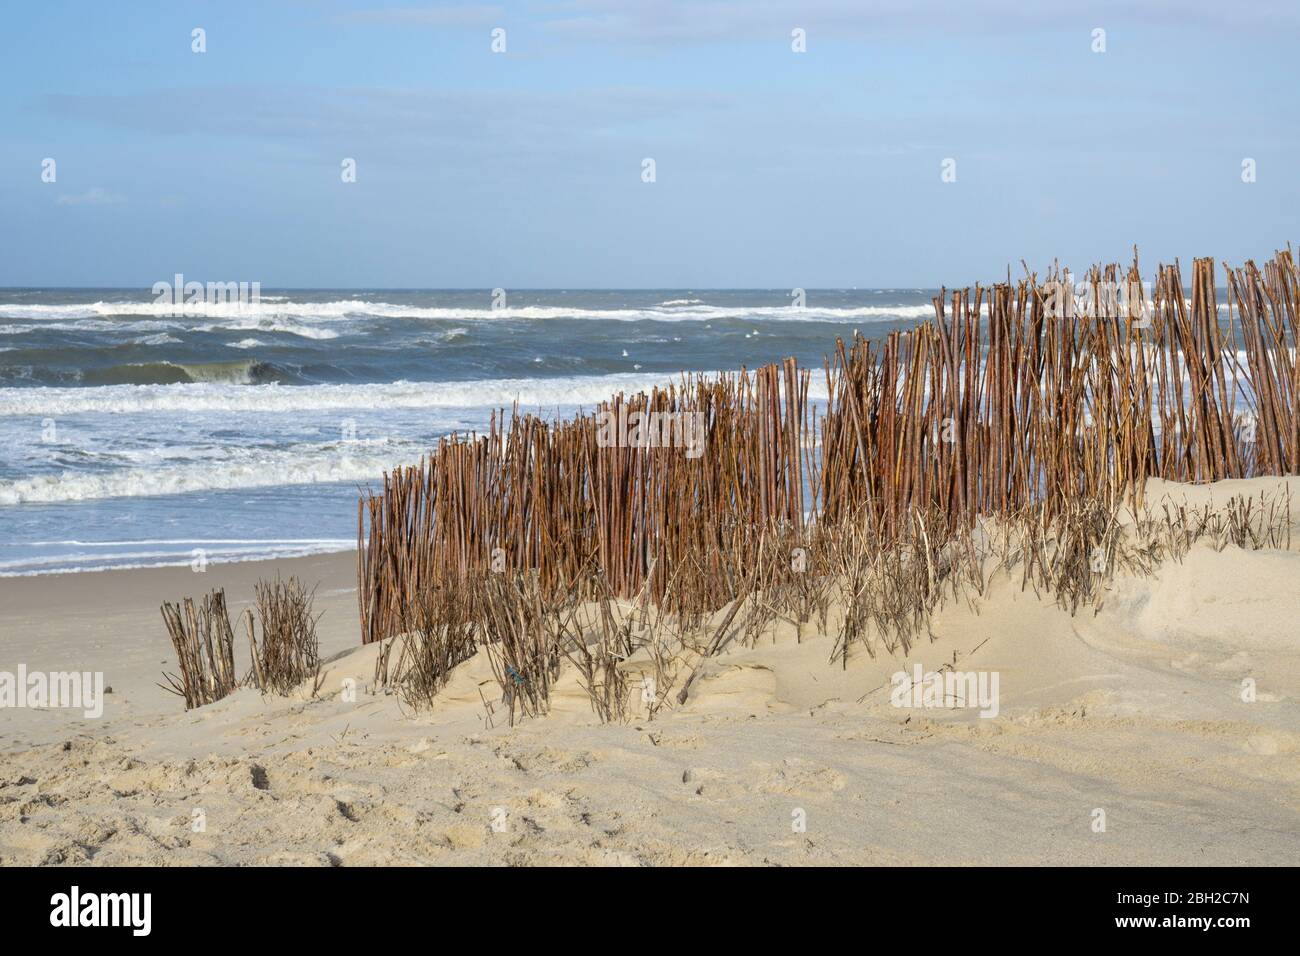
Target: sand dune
{"x":1138,"y":711}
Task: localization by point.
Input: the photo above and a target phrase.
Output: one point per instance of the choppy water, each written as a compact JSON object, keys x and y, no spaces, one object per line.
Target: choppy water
{"x":131,"y":436}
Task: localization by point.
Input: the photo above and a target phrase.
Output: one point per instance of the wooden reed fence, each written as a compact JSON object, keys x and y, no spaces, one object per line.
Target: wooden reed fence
{"x":1013,"y":395}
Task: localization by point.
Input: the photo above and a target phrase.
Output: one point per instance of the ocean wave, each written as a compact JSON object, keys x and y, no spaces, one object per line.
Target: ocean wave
{"x":239,"y":468}
{"x":160,"y":329}
{"x":160,"y":338}
{"x":90,"y":325}
{"x":109,"y":558}
{"x":288,"y":327}
{"x":189,"y":542}
{"x":239,"y":372}
{"x":344,"y":309}
{"x":102,"y":310}
{"x":531,"y":393}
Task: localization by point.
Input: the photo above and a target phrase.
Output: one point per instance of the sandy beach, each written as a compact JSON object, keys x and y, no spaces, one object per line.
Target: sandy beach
{"x":1134,"y":716}
{"x":109,"y":621}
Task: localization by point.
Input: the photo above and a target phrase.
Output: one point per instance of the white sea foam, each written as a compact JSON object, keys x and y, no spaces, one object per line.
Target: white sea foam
{"x":286,"y":326}
{"x":89,"y":325}
{"x":271,"y":308}
{"x":119,"y":555}
{"x":234,"y":468}
{"x":289,"y":327}
{"x":191,"y":542}
{"x":531,"y":393}
{"x":315,"y":312}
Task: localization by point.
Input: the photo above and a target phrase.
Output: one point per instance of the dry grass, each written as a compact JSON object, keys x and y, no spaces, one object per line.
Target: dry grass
{"x":204,"y":644}
{"x":438,"y":635}
{"x":289,"y":652}
{"x":523,"y":630}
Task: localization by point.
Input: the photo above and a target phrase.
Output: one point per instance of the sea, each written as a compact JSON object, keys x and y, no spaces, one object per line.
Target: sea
{"x":134,"y":433}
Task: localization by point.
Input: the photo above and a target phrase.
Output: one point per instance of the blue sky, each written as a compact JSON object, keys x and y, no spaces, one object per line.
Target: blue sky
{"x":774,"y":169}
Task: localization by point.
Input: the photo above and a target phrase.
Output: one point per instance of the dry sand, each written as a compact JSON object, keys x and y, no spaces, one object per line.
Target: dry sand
{"x":1136,"y":711}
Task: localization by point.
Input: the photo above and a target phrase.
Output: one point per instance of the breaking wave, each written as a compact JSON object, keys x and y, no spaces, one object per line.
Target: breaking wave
{"x":212,"y":396}
{"x":673,"y":310}
{"x":238,"y":468}
{"x":248,"y":372}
